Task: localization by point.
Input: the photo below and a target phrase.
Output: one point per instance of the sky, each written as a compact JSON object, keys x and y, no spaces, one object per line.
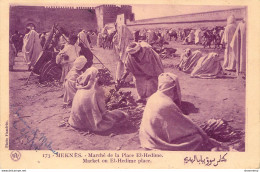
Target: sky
{"x":154,"y":11}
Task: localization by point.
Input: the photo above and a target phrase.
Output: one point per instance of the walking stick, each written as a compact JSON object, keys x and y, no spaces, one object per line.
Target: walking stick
{"x":95,"y":56}
{"x":89,"y":50}
{"x":28,"y":78}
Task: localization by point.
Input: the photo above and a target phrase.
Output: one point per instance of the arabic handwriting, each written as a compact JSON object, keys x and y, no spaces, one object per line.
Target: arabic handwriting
{"x":207,"y":161}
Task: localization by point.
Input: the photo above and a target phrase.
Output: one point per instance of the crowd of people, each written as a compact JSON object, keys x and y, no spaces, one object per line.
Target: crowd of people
{"x":163,"y":126}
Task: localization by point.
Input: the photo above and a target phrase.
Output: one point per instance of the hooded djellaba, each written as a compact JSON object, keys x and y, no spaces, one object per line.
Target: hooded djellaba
{"x":79,"y":66}
{"x":229,"y":58}
{"x":145,"y":65}
{"x":238,"y":45}
{"x":31,"y":47}
{"x":208,"y":67}
{"x":123,"y":38}
{"x":189,"y":60}
{"x":88,"y":107}
{"x":164,"y":127}
{"x":67,"y":56}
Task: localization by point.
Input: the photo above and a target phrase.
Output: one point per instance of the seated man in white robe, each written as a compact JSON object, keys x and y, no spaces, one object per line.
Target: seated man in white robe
{"x":189,"y":60}
{"x":208,"y":66}
{"x":164,"y":127}
{"x":79,"y":66}
{"x":67,"y":56}
{"x":88,"y":107}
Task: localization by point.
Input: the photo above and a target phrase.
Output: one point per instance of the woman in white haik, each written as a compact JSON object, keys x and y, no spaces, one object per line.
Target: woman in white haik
{"x":164,"y":127}
{"x":79,"y":66}
{"x":88,"y":107}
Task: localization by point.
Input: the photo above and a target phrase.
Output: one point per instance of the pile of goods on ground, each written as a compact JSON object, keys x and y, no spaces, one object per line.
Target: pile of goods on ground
{"x":135,"y":114}
{"x":124,"y":101}
{"x":220,"y":130}
{"x":105,"y":76}
{"x":119,"y":99}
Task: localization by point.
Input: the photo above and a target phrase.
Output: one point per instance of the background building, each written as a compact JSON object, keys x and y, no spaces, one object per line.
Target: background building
{"x":95,"y":18}
{"x":71,"y":18}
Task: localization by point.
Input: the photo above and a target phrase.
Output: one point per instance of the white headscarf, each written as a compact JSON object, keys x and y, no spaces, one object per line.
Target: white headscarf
{"x":88,"y":79}
{"x":168,"y":84}
{"x":80,"y":62}
{"x":231,"y":20}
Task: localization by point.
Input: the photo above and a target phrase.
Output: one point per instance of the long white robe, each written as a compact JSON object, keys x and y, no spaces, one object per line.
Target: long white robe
{"x":198,"y":36}
{"x":238,"y":45}
{"x":124,"y":38}
{"x":82,"y":38}
{"x":163,"y":126}
{"x":72,"y":51}
{"x":31,"y":47}
{"x":208,"y":66}
{"x":88,"y":107}
{"x":188,"y":62}
{"x":146,"y":68}
{"x":229,"y":58}
{"x":70,"y":80}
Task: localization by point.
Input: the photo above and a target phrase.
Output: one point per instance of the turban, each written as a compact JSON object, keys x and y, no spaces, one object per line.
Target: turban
{"x":133,"y":48}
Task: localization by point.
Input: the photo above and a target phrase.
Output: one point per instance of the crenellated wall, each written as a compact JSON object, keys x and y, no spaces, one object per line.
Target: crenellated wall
{"x":108,"y":14}
{"x":94,"y":18}
{"x":71,"y":18}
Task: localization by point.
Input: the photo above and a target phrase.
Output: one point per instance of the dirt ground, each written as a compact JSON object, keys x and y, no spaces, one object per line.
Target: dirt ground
{"x":36,"y":111}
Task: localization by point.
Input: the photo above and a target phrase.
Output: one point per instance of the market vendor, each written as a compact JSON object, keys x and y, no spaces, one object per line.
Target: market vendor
{"x":164,"y":127}
{"x":189,"y":60}
{"x":79,"y":66}
{"x":88,"y":106}
{"x":67,"y":56}
{"x":145,"y":64}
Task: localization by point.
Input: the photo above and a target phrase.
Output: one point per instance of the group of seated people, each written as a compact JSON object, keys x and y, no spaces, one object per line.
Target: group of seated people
{"x":163,"y":126}
{"x":200,"y":66}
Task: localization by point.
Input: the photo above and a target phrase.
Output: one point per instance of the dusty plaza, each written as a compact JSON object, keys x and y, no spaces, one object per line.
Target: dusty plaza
{"x":39,"y":120}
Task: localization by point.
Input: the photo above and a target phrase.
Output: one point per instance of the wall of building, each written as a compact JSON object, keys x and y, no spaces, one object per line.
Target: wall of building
{"x":72,"y":19}
{"x":107,"y":14}
{"x":196,"y":20}
{"x":75,"y":18}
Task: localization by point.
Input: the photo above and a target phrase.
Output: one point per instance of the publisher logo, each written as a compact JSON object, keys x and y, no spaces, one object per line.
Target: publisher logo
{"x":15,"y":155}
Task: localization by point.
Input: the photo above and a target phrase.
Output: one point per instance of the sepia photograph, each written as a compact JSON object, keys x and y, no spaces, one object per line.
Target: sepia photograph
{"x":127,"y":77}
